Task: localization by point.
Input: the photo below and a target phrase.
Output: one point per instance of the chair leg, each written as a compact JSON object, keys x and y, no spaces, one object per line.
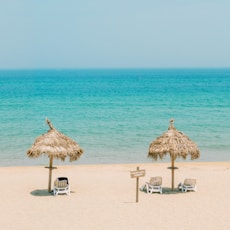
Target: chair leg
{"x":147,"y":188}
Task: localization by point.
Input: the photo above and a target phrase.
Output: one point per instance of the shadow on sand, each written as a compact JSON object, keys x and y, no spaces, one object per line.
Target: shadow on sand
{"x":41,"y":192}
{"x":166,"y":191}
{"x":169,"y":191}
{"x":44,"y":192}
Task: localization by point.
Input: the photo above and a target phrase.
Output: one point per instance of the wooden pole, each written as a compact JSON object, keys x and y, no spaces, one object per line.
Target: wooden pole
{"x":172,"y":173}
{"x":50,"y":173}
{"x":136,"y":174}
{"x":137,"y":187}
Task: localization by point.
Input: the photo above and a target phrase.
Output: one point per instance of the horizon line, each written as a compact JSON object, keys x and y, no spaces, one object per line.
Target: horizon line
{"x":110,"y":68}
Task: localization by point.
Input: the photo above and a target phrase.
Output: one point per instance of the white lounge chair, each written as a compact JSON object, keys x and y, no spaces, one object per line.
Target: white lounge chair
{"x":188,"y":185}
{"x":154,"y":185}
{"x":61,"y":186}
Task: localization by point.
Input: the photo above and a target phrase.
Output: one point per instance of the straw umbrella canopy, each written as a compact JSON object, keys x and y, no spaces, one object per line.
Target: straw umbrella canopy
{"x":57,"y":146}
{"x":174,"y":143}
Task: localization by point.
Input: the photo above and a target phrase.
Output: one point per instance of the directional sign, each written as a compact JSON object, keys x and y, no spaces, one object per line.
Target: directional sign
{"x":138,"y":173}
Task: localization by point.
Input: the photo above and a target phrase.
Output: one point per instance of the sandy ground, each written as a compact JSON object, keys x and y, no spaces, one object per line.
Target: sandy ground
{"x":104,"y":197}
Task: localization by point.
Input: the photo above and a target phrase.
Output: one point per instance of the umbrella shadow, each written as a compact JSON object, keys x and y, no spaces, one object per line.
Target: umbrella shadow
{"x":169,"y":191}
{"x":44,"y":192}
{"x":166,"y":191}
{"x":41,"y":192}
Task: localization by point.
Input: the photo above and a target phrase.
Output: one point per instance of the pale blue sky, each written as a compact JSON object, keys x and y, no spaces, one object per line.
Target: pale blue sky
{"x":114,"y":34}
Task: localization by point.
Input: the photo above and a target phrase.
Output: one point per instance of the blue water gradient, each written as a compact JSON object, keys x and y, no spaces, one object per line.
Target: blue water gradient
{"x":114,"y":114}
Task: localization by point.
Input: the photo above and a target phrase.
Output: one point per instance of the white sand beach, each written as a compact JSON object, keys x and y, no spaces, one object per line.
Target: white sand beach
{"x":104,"y":197}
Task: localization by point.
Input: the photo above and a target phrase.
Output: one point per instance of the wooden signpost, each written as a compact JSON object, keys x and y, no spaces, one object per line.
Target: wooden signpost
{"x":136,"y":174}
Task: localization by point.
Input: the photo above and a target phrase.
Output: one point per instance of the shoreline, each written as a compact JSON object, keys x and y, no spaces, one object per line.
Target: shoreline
{"x":83,"y":161}
{"x":103,"y":197}
{"x":110,"y":164}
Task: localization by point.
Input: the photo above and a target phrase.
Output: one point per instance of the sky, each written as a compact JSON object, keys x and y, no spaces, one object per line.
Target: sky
{"x":114,"y":34}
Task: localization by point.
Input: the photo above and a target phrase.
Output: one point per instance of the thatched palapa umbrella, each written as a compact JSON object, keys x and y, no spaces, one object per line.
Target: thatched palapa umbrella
{"x":174,"y":143}
{"x":55,"y":145}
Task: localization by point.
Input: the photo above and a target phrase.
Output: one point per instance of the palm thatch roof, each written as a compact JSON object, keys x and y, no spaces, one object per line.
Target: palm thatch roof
{"x":174,"y":143}
{"x":55,"y":145}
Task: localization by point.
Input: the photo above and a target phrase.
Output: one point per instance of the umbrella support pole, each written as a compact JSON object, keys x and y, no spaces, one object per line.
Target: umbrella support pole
{"x":172,"y":174}
{"x":172,"y":167}
{"x":50,"y":173}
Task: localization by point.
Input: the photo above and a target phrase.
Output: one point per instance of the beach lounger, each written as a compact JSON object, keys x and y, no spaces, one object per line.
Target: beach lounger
{"x":61,"y":186}
{"x":188,"y":185}
{"x":154,"y":185}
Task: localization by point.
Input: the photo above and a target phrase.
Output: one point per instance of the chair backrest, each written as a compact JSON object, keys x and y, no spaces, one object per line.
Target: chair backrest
{"x":156,"y":181}
{"x":190,"y":181}
{"x":61,"y":182}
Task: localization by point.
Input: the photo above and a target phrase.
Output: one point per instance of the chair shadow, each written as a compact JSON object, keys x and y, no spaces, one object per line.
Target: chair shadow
{"x":41,"y":192}
{"x":169,"y":191}
{"x":44,"y":192}
{"x":166,"y":191}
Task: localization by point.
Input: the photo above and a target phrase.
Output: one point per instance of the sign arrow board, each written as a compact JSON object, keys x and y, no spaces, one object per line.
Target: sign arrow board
{"x":138,"y":173}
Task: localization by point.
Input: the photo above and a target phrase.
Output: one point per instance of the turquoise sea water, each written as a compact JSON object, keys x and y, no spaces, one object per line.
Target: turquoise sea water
{"x":114,"y":114}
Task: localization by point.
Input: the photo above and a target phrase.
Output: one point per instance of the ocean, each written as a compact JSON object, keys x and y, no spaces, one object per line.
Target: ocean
{"x":114,"y":114}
